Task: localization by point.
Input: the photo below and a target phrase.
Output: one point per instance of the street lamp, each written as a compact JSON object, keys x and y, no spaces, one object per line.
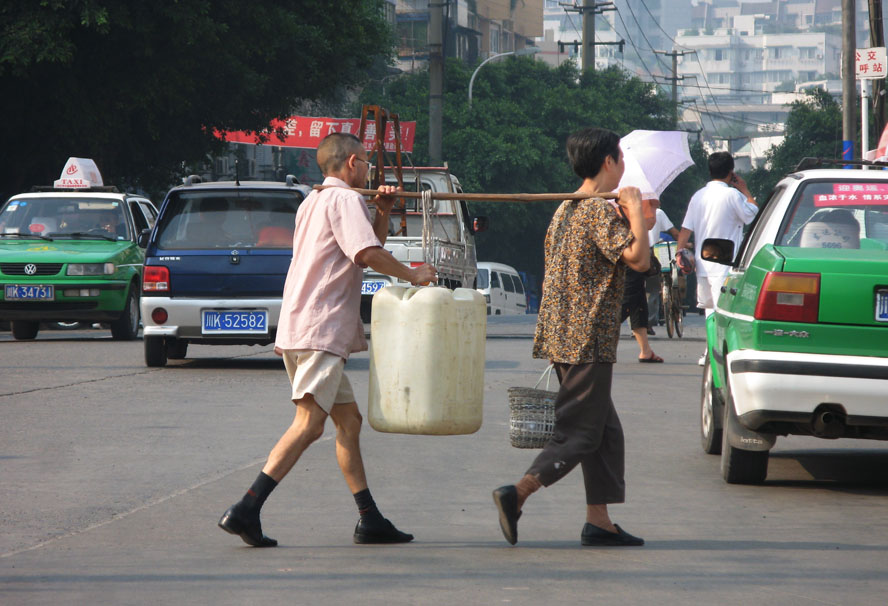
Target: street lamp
{"x":527,"y":50}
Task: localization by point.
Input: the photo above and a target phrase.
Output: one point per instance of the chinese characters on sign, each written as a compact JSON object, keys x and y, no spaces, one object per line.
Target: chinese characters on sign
{"x":305,"y":132}
{"x":870,"y":63}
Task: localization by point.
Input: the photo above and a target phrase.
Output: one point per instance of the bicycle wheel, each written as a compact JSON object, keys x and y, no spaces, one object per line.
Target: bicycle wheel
{"x":677,"y":311}
{"x":668,"y":305}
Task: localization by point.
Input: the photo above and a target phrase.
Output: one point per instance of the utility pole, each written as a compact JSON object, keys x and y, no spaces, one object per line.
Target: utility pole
{"x":589,"y":9}
{"x":877,"y":38}
{"x":675,"y":55}
{"x":849,"y":89}
{"x":436,"y":80}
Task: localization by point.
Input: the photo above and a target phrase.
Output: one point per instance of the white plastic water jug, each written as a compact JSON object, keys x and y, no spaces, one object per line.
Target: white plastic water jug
{"x":427,"y":360}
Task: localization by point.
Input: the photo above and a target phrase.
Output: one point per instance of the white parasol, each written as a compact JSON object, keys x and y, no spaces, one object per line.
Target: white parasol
{"x":653,"y":159}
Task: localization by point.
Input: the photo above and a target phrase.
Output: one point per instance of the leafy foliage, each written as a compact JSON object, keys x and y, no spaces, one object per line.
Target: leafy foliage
{"x":813,"y":129}
{"x":140,"y":86}
{"x":512,"y":138}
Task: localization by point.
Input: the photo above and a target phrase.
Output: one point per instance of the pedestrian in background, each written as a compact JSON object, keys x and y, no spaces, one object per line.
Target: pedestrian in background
{"x":718,"y":210}
{"x":635,"y":305}
{"x":588,"y":246}
{"x":320,"y":326}
{"x":652,"y":283}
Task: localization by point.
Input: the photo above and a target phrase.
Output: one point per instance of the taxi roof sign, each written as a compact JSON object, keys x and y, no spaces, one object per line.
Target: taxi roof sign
{"x":79,"y":173}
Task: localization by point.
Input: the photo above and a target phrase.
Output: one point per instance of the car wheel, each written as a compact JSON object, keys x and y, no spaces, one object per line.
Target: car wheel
{"x":740,"y":466}
{"x":126,"y":327}
{"x":155,"y":352}
{"x":710,"y":405}
{"x":176,"y":349}
{"x":25,"y":330}
{"x":366,"y":308}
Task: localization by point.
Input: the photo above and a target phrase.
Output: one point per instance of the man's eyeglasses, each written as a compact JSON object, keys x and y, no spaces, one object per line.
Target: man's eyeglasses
{"x":367,"y":162}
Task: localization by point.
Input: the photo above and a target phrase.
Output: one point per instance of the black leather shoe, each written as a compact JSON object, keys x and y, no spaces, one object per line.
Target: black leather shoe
{"x":506,"y":500}
{"x":594,"y":536}
{"x":249,"y":530}
{"x":379,"y":532}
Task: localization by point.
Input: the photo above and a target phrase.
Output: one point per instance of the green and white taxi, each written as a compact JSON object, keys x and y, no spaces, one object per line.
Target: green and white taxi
{"x":798,"y":343}
{"x":71,"y":254}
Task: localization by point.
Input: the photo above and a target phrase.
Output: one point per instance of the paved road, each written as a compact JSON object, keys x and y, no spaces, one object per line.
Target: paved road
{"x":113,"y":476}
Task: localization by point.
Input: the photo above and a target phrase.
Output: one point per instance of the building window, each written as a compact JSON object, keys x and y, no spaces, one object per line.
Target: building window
{"x":807,"y":52}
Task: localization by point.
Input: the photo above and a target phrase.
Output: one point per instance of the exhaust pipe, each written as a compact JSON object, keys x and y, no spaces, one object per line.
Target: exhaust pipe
{"x":828,"y":424}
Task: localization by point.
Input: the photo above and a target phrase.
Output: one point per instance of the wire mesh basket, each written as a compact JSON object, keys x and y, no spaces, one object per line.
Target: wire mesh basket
{"x":665,"y":252}
{"x":531,"y":414}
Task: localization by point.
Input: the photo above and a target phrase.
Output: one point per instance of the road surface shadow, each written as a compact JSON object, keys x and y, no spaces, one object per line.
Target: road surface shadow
{"x":241,"y":363}
{"x":845,"y":470}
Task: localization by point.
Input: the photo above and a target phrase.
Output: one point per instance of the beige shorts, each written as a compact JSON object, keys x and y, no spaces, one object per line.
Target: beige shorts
{"x":708,"y":291}
{"x":320,"y":374}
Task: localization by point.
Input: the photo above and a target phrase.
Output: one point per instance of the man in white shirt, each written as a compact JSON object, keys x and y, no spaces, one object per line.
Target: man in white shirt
{"x":718,"y":210}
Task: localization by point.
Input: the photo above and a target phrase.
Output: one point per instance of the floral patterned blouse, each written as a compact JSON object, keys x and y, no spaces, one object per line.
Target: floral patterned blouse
{"x":579,"y":319}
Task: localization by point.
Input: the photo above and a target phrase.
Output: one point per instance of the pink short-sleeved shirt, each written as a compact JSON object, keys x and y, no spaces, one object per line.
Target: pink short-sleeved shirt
{"x":322,"y":295}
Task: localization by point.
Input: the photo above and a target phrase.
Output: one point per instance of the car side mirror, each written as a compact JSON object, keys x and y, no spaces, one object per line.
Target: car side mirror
{"x":718,"y":251}
{"x":480,"y":224}
{"x":143,"y":237}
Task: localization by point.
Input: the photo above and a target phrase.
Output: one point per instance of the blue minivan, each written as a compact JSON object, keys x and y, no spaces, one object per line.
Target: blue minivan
{"x":215,"y":265}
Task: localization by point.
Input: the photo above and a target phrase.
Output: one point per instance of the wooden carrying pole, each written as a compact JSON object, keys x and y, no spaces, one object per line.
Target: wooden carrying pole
{"x":487,"y":197}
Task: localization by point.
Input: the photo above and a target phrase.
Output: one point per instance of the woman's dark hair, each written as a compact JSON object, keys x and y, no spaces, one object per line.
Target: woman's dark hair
{"x":588,"y":148}
{"x":720,"y":165}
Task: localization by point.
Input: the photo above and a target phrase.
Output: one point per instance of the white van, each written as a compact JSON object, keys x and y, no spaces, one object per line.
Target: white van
{"x":502,"y":288}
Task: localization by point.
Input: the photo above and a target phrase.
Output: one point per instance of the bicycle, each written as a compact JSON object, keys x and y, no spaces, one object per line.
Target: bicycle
{"x":671,"y":286}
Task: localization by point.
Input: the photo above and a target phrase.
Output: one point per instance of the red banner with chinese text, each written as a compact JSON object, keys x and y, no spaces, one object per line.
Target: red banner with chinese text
{"x":854,"y":194}
{"x":305,"y":132}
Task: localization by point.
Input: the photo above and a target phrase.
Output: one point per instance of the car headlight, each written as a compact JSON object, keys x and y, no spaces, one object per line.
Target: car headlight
{"x":91,"y":269}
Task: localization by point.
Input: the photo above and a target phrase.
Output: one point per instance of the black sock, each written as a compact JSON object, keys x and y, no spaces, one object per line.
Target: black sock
{"x":367,"y":506}
{"x":258,"y":492}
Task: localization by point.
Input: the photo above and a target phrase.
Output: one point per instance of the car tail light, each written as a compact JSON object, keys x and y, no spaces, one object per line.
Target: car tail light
{"x":790,"y":297}
{"x":159,"y":315}
{"x":416,"y":263}
{"x":156,"y":278}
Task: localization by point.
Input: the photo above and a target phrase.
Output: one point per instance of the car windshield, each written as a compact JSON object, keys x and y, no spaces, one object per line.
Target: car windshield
{"x":483,"y":278}
{"x":409,"y":222}
{"x":226,"y":219}
{"x":834,"y":214}
{"x":75,"y":218}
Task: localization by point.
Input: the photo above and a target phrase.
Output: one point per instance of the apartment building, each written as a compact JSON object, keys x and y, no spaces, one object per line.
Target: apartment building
{"x":473,"y":29}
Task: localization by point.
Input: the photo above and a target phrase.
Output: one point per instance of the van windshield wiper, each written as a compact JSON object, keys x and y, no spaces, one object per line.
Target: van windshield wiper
{"x":84,"y":234}
{"x":17,"y":235}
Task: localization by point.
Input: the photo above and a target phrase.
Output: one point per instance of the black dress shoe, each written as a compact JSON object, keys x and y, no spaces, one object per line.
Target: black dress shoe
{"x":506,"y":500}
{"x":249,"y":530}
{"x":594,"y":536}
{"x":367,"y":532}
{"x":651,"y":332}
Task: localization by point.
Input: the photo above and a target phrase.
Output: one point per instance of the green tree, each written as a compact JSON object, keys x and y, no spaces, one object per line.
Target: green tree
{"x":141,"y":86}
{"x":512,"y":139}
{"x":813,"y":129}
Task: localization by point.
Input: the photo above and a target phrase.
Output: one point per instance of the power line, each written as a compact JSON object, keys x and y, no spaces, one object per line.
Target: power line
{"x":644,"y":4}
{"x":629,"y":38}
{"x":643,"y":35}
{"x":728,"y":117}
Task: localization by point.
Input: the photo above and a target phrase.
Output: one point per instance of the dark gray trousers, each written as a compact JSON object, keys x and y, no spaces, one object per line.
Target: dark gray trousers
{"x":587,"y":432}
